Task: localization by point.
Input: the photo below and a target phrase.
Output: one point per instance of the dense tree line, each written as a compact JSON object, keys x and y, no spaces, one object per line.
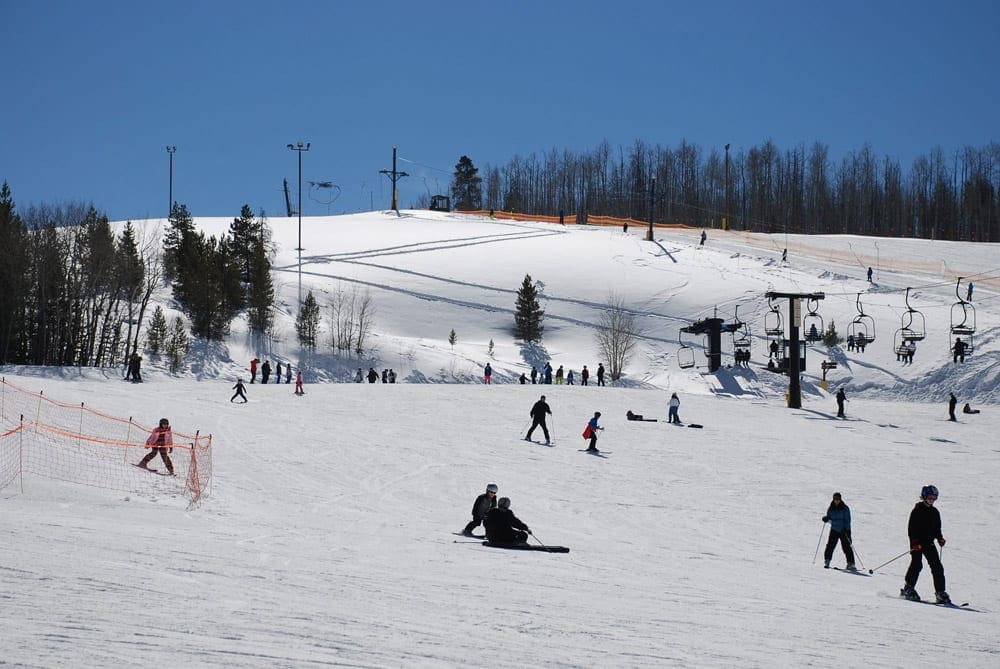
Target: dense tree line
{"x":765,"y":189}
{"x":74,"y":293}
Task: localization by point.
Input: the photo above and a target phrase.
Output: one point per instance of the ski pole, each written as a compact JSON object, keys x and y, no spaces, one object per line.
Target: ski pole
{"x":822,"y":530}
{"x":850,"y":543}
{"x":539,"y":542}
{"x":872,"y":571}
{"x":553,"y":428}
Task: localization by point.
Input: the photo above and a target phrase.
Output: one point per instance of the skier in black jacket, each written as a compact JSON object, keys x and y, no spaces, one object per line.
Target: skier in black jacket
{"x":482,"y":505}
{"x":503,"y":527}
{"x":538,"y":411}
{"x":923,"y":529}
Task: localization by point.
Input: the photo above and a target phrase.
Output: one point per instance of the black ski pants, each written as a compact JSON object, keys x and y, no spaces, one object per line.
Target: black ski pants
{"x":929,"y":551}
{"x":538,"y":422}
{"x":844,"y":537}
{"x":163,"y":454}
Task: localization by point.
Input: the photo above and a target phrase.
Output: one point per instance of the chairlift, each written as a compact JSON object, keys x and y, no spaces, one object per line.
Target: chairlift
{"x":773,"y":323}
{"x":900,"y":343}
{"x":812,"y":322}
{"x":913,"y":325}
{"x":862,"y":328}
{"x":741,"y":332}
{"x":685,"y":354}
{"x":963,"y":315}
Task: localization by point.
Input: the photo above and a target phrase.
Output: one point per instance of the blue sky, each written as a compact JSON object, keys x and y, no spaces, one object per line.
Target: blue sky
{"x":96,"y":91}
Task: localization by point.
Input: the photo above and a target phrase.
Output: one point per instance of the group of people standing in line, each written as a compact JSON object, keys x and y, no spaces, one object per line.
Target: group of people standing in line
{"x":265,"y":371}
{"x":548,"y":377}
{"x":388,"y":376}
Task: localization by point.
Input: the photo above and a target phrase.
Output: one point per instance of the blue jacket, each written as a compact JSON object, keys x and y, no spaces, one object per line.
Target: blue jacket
{"x":839,"y":517}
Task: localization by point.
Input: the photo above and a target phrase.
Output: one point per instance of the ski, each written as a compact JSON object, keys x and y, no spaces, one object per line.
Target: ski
{"x":964,"y":606}
{"x":528,"y":547}
{"x":540,"y":443}
{"x":151,"y":471}
{"x":599,"y":454}
{"x":852,"y":571}
{"x":470,"y":536}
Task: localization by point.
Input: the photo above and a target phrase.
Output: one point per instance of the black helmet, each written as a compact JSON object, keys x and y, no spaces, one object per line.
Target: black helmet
{"x":504,"y":502}
{"x":492,"y":487}
{"x":927,"y":491}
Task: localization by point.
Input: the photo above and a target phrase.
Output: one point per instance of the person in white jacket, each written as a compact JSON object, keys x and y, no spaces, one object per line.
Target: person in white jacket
{"x":675,"y":405}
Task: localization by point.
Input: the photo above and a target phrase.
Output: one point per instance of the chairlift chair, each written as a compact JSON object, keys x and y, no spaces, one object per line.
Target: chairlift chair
{"x":963,"y":315}
{"x":913,"y":325}
{"x":741,"y":333}
{"x":685,"y":354}
{"x":862,"y":327}
{"x":812,"y":322}
{"x":773,"y":323}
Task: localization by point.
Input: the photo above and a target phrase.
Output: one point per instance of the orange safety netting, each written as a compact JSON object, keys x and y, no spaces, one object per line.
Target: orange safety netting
{"x":78,"y":444}
{"x":591,"y":219}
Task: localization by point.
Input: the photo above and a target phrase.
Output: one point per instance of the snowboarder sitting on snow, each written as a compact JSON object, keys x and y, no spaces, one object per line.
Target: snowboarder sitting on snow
{"x":503,"y":527}
{"x":838,"y":515}
{"x":482,"y":505}
{"x":633,"y":416}
{"x":968,"y":409}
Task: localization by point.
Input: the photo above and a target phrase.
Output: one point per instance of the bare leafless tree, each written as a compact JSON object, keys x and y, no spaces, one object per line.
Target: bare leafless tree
{"x":617,"y":335}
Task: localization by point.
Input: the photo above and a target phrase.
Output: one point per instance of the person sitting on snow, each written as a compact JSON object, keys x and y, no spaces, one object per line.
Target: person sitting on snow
{"x":503,"y":527}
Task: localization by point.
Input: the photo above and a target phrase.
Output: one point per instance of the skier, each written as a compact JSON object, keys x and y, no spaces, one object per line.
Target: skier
{"x":869,"y":275}
{"x":584,"y":375}
{"x":160,"y":439}
{"x":135,"y":366}
{"x":569,"y":378}
{"x":591,"y":432}
{"x":265,"y":371}
{"x":240,"y":391}
{"x":277,"y":373}
{"x":534,"y":375}
{"x":503,"y":527}
{"x":952,"y":403}
{"x":703,"y":238}
{"x":392,"y":376}
{"x":253,"y":369}
{"x":674,"y":406}
{"x":288,"y":373}
{"x":538,"y":411}
{"x":487,"y":374}
{"x":372,"y":375}
{"x":600,"y":373}
{"x":385,"y":376}
{"x":838,"y":515}
{"x":968,"y":293}
{"x":559,"y":376}
{"x":547,"y":372}
{"x":924,"y":527}
{"x":841,"y":398}
{"x":298,"y":384}
{"x":482,"y":505}
{"x":359,"y":376}
{"x":784,"y":255}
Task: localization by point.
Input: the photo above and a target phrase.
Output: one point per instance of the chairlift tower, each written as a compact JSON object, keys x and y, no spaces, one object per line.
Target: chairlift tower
{"x":794,"y":323}
{"x":394,"y":176}
{"x":713,"y":329}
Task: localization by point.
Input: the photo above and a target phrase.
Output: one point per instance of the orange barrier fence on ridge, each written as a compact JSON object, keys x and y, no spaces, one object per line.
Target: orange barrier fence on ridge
{"x":569,"y":219}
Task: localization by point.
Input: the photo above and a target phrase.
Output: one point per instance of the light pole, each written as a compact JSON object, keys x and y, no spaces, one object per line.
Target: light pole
{"x":300,"y":147}
{"x":725,"y":219}
{"x":170,"y":205}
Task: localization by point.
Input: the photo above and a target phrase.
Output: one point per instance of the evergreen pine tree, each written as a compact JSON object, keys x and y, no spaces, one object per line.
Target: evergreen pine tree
{"x":14,"y":280}
{"x":307,"y":323}
{"x":177,"y":345}
{"x":528,"y":313}
{"x":260,"y":291}
{"x":467,"y":186}
{"x":156,"y":333}
{"x":177,"y":240}
{"x":452,"y":338}
{"x":830,"y":336}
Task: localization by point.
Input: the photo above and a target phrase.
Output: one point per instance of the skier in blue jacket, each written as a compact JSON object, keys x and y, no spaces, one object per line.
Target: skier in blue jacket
{"x":839,"y":516}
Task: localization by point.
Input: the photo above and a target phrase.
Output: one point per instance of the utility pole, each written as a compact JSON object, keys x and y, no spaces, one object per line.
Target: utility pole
{"x":652,"y":204}
{"x":300,"y":147}
{"x":394,"y":176}
{"x":170,"y":206}
{"x":725,"y":219}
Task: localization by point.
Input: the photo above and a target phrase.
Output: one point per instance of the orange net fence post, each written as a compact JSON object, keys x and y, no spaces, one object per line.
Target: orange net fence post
{"x":77,"y":444}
